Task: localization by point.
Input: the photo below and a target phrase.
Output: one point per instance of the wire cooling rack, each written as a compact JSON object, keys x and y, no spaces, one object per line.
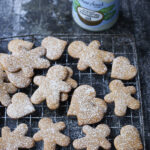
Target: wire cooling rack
{"x":120,"y":45}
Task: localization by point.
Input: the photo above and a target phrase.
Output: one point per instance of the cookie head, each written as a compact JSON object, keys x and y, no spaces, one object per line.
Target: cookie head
{"x":129,"y":138}
{"x":122,"y":69}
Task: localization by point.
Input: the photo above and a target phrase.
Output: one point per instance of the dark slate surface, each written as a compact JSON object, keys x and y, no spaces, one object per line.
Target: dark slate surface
{"x":23,"y":17}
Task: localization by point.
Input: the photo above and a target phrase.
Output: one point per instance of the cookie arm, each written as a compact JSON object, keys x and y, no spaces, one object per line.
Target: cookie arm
{"x":133,"y":103}
{"x":107,"y":56}
{"x":41,"y":63}
{"x":72,"y":82}
{"x":38,"y":136}
{"x":38,"y":80}
{"x":60,"y":125}
{"x":87,"y":129}
{"x":21,"y":129}
{"x":64,"y":87}
{"x":131,"y":89}
{"x":109,"y":98}
{"x":39,"y":51}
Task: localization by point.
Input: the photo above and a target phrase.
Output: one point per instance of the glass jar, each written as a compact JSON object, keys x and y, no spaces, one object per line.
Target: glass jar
{"x":95,"y":15}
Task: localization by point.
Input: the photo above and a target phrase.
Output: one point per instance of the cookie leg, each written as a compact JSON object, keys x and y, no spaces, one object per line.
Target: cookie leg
{"x":10,"y":88}
{"x":81,"y":65}
{"x":62,"y":140}
{"x":5,"y":99}
{"x":28,"y":72}
{"x":98,"y":66}
{"x":133,"y":103}
{"x":80,"y":143}
{"x":53,"y":101}
{"x":48,"y":145}
{"x":37,"y":97}
{"x":63,"y":97}
{"x":26,"y":142}
{"x":120,"y":108}
{"x":105,"y":144}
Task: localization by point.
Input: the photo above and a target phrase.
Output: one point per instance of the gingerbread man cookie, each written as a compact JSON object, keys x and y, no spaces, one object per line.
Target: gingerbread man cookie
{"x":25,"y":60}
{"x":86,"y":106}
{"x":129,"y":139}
{"x":71,"y":82}
{"x":50,"y":134}
{"x":16,"y":44}
{"x":122,"y":98}
{"x":94,"y":139}
{"x":5,"y":88}
{"x":15,"y":139}
{"x":122,"y":69}
{"x":54,"y":47}
{"x":90,"y":56}
{"x":51,"y":86}
{"x":20,"y":107}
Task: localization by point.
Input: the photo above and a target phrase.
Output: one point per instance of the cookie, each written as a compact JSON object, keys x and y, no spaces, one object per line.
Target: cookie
{"x":71,"y":82}
{"x":122,"y":69}
{"x":90,"y":56}
{"x":50,"y":134}
{"x":20,"y":107}
{"x":86,"y":106}
{"x":129,"y":139}
{"x":51,"y":86}
{"x":54,"y":47}
{"x":6,"y":88}
{"x":16,"y":44}
{"x":94,"y":139}
{"x":15,"y":139}
{"x":18,"y":79}
{"x":121,"y":96}
{"x":25,"y":60}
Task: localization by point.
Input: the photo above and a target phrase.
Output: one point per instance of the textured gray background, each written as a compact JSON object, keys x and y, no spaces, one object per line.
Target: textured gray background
{"x":23,"y":17}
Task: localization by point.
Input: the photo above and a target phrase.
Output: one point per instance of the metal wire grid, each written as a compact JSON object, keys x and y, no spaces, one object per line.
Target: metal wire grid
{"x":120,"y":45}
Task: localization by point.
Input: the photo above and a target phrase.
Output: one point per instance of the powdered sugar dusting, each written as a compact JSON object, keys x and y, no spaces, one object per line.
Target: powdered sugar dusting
{"x":121,"y":69}
{"x":21,"y":106}
{"x":85,"y":106}
{"x":129,"y":138}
